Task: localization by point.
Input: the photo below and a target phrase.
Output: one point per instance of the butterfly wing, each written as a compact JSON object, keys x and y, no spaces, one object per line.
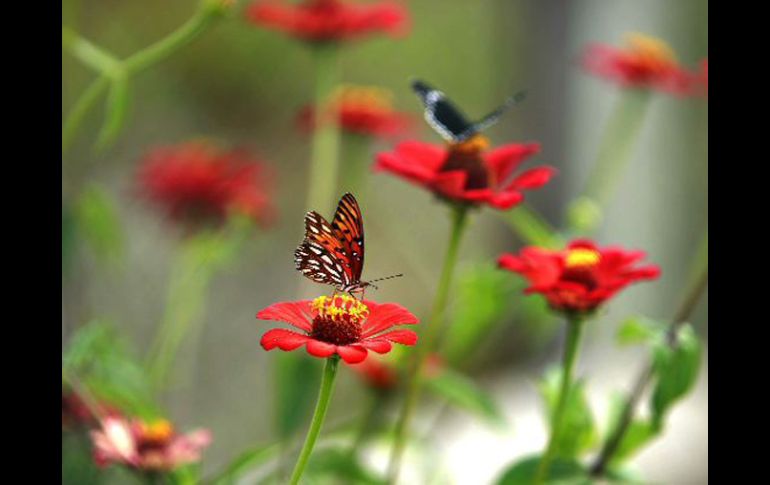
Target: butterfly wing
{"x":494,"y":116}
{"x":317,"y":263}
{"x":348,"y":229}
{"x":441,"y":114}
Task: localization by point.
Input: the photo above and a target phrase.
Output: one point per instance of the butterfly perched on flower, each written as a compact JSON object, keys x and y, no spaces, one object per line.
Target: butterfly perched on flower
{"x":448,"y":121}
{"x":333,"y":254}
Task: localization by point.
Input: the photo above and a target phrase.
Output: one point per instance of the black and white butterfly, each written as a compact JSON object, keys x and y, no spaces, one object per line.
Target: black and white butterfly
{"x":444,"y":117}
{"x":333,"y":253}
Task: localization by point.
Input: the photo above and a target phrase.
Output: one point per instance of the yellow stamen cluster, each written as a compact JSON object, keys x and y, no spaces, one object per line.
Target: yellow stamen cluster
{"x":369,"y":97}
{"x":338,"y":308}
{"x":650,"y":49}
{"x":475,"y":144}
{"x":582,"y":258}
{"x":157,"y":431}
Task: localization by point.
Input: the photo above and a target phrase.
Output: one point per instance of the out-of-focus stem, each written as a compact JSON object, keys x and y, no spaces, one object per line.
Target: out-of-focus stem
{"x":80,"y":109}
{"x":531,"y":227}
{"x":356,"y":165}
{"x":574,"y":332}
{"x":427,"y":342}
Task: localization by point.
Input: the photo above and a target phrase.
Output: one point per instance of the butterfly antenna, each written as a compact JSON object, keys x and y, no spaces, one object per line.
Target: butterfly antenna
{"x":387,"y":278}
{"x":495,"y":115}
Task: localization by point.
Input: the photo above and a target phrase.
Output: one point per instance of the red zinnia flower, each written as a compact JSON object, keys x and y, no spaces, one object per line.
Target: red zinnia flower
{"x":581,"y":277}
{"x":329,"y":20}
{"x":199,"y":182}
{"x":360,"y":110}
{"x":151,"y":446}
{"x":377,"y":373}
{"x":466,"y":172}
{"x":340,"y":325}
{"x":646,"y":63}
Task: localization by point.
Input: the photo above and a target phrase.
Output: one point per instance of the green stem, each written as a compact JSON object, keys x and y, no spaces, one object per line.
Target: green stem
{"x":531,"y":227}
{"x":88,"y":53}
{"x":620,"y":135}
{"x":574,"y":333}
{"x":428,"y":342}
{"x":324,"y":396}
{"x":356,"y":164}
{"x":322,"y":182}
{"x":81,"y":107}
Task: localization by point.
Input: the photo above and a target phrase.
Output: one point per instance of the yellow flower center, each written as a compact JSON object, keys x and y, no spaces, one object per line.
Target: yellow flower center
{"x":650,"y":49}
{"x":338,"y":319}
{"x":581,"y":258}
{"x":157,"y":431}
{"x":368,"y":97}
{"x":475,"y":144}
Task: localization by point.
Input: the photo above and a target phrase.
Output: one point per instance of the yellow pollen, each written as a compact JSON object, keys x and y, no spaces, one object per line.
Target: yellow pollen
{"x":159,"y":430}
{"x":582,"y":258}
{"x":650,"y":48}
{"x":340,"y":307}
{"x":476,"y":143}
{"x":369,"y":97}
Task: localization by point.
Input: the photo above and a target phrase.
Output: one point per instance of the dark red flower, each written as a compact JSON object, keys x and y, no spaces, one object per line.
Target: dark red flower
{"x":200,"y":182}
{"x":705,"y":74}
{"x":340,"y":325}
{"x":581,"y":277}
{"x":360,"y":110}
{"x":467,"y":172}
{"x":645,"y":62}
{"x":75,"y":412}
{"x":330,"y":20}
{"x":377,"y":373}
{"x":150,"y":446}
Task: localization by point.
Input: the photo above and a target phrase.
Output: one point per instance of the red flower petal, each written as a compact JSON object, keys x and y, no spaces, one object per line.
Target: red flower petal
{"x":320,"y":349}
{"x":506,"y":200}
{"x":283,"y":339}
{"x":502,"y":161}
{"x":378,"y":345}
{"x":405,"y":337}
{"x":296,"y":313}
{"x":384,"y":316}
{"x":532,"y":178}
{"x":352,"y":354}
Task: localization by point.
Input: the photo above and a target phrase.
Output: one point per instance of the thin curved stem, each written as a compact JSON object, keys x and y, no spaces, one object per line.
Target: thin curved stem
{"x":324,"y":397}
{"x":574,"y":333}
{"x":81,"y":108}
{"x":428,"y":342}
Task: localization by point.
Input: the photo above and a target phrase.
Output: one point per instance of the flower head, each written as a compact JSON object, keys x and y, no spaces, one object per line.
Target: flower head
{"x":75,"y":411}
{"x":360,"y":110}
{"x":151,"y":446}
{"x":581,"y":277}
{"x":339,"y":324}
{"x":199,"y":182}
{"x":467,"y":172}
{"x":645,"y":62}
{"x":329,"y":20}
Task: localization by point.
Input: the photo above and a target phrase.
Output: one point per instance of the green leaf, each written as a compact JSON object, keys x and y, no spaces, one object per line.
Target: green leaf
{"x":560,"y":471}
{"x":578,"y":432}
{"x":245,"y":462}
{"x":640,"y":330}
{"x":97,"y":220}
{"x":68,"y":233}
{"x":462,"y":392}
{"x":676,"y":371}
{"x":335,"y":466}
{"x":297,"y":379}
{"x":101,"y":360}
{"x":116,"y":110}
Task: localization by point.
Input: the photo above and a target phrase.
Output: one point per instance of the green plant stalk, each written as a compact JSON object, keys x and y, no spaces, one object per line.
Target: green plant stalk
{"x":617,"y":145}
{"x":356,"y":164}
{"x":574,"y":333}
{"x":111,"y":67}
{"x":531,"y":227}
{"x":683,"y":312}
{"x":428,"y":341}
{"x":324,"y":396}
{"x":324,"y":160}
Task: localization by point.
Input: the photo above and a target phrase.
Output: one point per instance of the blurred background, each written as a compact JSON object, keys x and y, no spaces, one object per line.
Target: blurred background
{"x":244,"y":86}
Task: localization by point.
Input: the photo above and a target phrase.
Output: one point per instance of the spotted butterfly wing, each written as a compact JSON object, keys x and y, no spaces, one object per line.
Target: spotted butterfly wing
{"x":444,"y":117}
{"x":334,"y":253}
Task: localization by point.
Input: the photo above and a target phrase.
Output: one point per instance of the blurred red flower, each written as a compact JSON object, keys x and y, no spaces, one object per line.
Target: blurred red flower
{"x":340,"y":325}
{"x":150,"y":446}
{"x":198,"y":181}
{"x":360,"y":110}
{"x":467,"y":172}
{"x":581,"y":277}
{"x":705,"y":74}
{"x":330,"y":20}
{"x":75,"y":411}
{"x":645,"y":62}
{"x":377,"y":373}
